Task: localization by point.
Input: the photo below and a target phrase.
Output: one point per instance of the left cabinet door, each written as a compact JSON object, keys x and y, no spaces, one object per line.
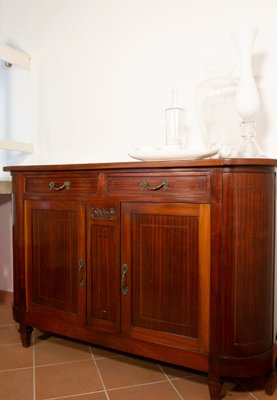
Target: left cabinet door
{"x":55,"y":261}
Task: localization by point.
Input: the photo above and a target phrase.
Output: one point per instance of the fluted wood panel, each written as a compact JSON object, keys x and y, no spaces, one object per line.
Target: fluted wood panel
{"x":165,"y":273}
{"x":248,"y":263}
{"x":103,"y":278}
{"x":161,"y":246}
{"x":54,"y":235}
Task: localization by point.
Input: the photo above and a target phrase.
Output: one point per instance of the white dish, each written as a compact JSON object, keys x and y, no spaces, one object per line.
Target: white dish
{"x":167,"y":153}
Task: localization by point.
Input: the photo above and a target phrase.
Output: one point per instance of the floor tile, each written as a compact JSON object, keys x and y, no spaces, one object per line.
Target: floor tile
{"x":173,"y":372}
{"x":6,"y":317}
{"x":123,"y":371}
{"x":91,"y":396}
{"x":261,"y":395}
{"x":232,"y":390}
{"x":66,"y":369}
{"x":67,"y":379}
{"x":257,"y":387}
{"x":156,"y":391}
{"x":59,"y":351}
{"x":9,"y":334}
{"x":16,"y":385}
{"x":195,"y":388}
{"x":101,"y":352}
{"x":15,"y":356}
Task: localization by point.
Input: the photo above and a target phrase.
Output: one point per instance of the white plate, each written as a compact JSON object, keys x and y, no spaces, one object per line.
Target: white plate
{"x":167,"y":153}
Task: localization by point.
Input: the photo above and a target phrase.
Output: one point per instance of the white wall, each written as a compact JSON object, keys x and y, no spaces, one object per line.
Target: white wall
{"x":102,"y":71}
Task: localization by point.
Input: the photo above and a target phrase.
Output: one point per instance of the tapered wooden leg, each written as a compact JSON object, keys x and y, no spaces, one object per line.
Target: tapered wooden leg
{"x":270,"y":383}
{"x":25,"y":335}
{"x":214,"y":388}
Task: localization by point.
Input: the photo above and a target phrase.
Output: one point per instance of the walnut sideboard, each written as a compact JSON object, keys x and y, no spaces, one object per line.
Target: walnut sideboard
{"x":169,"y":260}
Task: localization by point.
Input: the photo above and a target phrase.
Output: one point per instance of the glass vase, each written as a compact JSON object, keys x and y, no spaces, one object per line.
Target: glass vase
{"x":247,"y":98}
{"x":215,"y":109}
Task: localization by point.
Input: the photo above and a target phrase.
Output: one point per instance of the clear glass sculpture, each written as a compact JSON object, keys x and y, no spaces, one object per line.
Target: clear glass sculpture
{"x":215,"y":108}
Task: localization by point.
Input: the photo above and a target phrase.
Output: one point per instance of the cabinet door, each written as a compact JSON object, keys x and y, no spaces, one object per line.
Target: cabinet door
{"x":166,"y":273}
{"x":55,"y":260}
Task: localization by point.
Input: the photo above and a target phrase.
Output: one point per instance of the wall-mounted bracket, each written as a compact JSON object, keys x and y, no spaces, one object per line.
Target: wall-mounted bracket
{"x":5,"y":187}
{"x":16,"y":146}
{"x":13,"y":56}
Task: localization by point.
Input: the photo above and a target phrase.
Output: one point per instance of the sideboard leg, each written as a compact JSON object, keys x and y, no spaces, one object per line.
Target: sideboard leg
{"x":270,"y":383}
{"x":214,"y":388}
{"x":25,"y":335}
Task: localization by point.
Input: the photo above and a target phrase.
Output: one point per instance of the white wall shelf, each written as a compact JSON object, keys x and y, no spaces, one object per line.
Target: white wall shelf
{"x":16,"y":146}
{"x":5,"y":187}
{"x":13,"y":56}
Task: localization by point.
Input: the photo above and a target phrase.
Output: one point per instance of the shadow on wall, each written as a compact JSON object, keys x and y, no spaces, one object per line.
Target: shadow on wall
{"x":6,"y":278}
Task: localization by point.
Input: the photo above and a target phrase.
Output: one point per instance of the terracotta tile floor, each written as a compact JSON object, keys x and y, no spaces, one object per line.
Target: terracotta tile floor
{"x":59,"y":368}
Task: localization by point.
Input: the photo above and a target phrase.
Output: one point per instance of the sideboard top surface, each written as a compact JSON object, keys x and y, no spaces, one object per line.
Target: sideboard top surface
{"x":220,"y":162}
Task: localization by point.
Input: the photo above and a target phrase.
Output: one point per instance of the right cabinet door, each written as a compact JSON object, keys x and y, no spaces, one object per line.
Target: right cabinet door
{"x":165,"y":273}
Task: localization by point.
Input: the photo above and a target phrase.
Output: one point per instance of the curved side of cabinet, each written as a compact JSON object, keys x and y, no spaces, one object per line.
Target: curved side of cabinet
{"x":247,"y":272}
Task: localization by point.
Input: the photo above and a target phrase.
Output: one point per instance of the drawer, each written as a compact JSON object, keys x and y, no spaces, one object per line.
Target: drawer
{"x":190,"y":186}
{"x":65,"y":183}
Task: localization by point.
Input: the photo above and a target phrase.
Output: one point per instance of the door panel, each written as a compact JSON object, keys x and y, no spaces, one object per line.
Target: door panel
{"x":166,"y":248}
{"x":55,"y":258}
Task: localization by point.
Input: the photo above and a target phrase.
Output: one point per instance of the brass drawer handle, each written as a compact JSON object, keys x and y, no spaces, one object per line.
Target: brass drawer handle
{"x":145,"y":186}
{"x":53,"y":186}
{"x":124,"y":271}
{"x":81,"y":266}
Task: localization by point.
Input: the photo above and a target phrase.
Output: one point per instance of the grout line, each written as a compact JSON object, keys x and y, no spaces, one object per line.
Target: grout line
{"x":34,"y":366}
{"x":74,"y":395}
{"x":63,"y":362}
{"x":15,"y":369}
{"x":11,"y":344}
{"x":245,"y":388}
{"x":136,"y":385}
{"x":169,"y":380}
{"x":191,"y":376}
{"x":97,"y":358}
{"x":100,"y":376}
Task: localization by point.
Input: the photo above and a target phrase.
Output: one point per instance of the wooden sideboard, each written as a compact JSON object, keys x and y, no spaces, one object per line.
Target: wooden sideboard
{"x":168,"y":260}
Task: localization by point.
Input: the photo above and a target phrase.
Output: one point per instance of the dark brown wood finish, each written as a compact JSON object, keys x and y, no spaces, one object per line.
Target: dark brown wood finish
{"x":103,"y":274}
{"x":165,"y":248}
{"x":55,"y":259}
{"x":168,"y":260}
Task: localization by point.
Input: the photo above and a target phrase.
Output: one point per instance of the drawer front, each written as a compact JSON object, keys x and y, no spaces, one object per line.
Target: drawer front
{"x":65,"y":183}
{"x":189,"y":186}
